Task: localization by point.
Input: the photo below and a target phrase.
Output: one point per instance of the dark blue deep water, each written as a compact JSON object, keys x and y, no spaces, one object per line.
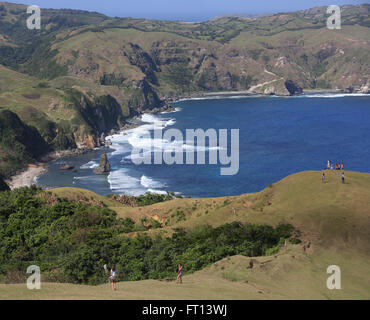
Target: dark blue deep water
{"x":278,"y":136}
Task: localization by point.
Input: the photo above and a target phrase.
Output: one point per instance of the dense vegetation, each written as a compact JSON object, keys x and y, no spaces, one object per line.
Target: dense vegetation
{"x":3,"y":185}
{"x":19,"y":143}
{"x":71,"y":241}
{"x":149,"y":198}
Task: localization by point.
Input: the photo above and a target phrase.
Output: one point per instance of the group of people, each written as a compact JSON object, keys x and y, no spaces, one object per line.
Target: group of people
{"x":330,"y":166}
{"x":323,"y":177}
{"x":338,"y":166}
{"x":114,"y":275}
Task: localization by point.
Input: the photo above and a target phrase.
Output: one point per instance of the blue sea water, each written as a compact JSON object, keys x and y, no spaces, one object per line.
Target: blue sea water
{"x":278,"y":136}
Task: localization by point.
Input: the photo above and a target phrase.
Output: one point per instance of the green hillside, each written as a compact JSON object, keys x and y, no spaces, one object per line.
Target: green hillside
{"x":63,"y":118}
{"x":331,"y":220}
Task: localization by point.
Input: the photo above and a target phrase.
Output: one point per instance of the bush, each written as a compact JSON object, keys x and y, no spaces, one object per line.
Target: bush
{"x":151,"y":198}
{"x":71,"y":241}
{"x":294,"y":241}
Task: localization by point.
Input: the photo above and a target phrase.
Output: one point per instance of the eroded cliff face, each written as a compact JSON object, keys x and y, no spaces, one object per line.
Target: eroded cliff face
{"x":94,"y":117}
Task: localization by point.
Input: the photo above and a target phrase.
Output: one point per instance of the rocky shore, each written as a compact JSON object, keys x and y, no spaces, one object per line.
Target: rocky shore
{"x":28,"y":175}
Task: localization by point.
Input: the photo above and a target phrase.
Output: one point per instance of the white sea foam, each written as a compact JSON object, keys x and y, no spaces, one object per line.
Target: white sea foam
{"x":242,"y":97}
{"x":150,"y":183}
{"x":120,"y":181}
{"x":223,"y":96}
{"x":140,"y":138}
{"x":156,"y":121}
{"x":308,"y":95}
{"x":157,"y":191}
{"x":90,"y":165}
{"x":177,"y":109}
{"x":331,"y":95}
{"x":88,"y":179}
{"x":35,"y":179}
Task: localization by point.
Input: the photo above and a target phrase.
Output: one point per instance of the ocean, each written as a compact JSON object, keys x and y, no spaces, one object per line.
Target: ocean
{"x":278,"y":136}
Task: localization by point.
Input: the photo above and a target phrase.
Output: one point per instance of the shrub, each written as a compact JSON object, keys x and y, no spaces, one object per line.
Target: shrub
{"x":294,"y":241}
{"x":71,"y":241}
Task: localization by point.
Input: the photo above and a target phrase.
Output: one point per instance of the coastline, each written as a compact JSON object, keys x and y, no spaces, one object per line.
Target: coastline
{"x":205,"y":95}
{"x":27,"y":177}
{"x":29,"y":174}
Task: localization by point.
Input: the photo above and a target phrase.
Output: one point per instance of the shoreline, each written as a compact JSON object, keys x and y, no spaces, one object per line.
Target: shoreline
{"x":27,"y":177}
{"x":206,"y":95}
{"x":29,"y":174}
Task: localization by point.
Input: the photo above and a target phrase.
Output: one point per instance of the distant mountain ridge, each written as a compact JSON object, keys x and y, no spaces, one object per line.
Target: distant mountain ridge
{"x":240,"y":15}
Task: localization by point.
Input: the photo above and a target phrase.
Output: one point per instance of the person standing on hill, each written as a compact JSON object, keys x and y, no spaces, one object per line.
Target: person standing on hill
{"x":323,"y":177}
{"x":341,"y":166}
{"x":328,"y":165}
{"x":113,"y":277}
{"x":342,"y":177}
{"x":179,"y":274}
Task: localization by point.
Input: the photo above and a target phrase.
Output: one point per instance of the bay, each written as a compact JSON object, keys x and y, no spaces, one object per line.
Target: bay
{"x":278,"y":136}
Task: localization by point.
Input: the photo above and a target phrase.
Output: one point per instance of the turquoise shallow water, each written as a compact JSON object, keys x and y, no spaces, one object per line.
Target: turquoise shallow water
{"x":278,"y":136}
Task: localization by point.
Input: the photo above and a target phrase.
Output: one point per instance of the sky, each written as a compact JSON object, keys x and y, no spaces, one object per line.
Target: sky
{"x":186,"y":10}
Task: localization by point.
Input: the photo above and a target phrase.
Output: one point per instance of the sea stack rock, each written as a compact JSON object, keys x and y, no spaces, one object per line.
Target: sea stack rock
{"x":104,"y":165}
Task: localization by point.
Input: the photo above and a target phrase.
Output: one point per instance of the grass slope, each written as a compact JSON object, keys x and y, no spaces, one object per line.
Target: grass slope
{"x":334,"y":217}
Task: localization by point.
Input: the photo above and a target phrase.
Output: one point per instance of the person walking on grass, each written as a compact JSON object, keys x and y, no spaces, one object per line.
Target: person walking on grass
{"x":179,"y":274}
{"x":113,"y":278}
{"x":323,"y":177}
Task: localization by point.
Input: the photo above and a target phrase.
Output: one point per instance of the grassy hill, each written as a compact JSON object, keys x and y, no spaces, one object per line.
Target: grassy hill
{"x":291,"y":275}
{"x":320,"y":211}
{"x":333,"y":217}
